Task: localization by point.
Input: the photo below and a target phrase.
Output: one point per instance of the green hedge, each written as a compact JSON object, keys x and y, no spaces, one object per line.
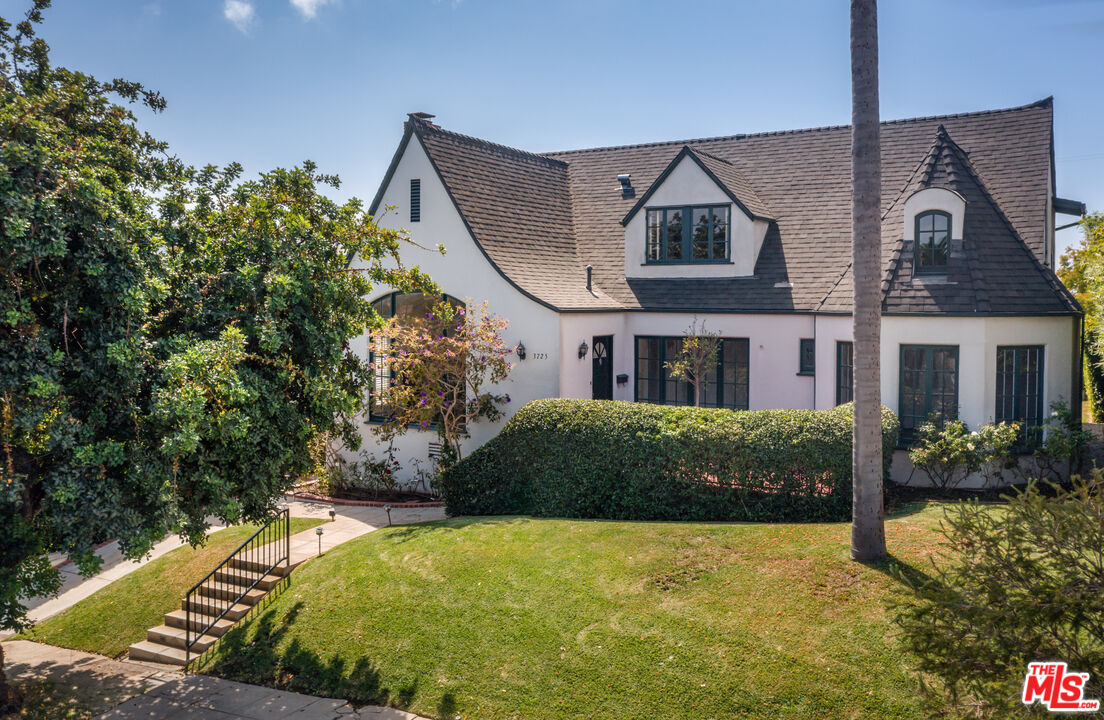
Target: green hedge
{"x":623,"y":460}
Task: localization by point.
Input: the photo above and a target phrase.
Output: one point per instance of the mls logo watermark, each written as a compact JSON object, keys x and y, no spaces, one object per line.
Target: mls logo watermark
{"x":1057,"y":688}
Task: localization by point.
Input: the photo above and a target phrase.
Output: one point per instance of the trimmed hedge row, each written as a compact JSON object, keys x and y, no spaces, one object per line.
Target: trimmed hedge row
{"x":635,"y":461}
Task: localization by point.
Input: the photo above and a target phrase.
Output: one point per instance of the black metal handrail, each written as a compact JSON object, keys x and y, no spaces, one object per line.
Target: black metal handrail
{"x":241,"y":571}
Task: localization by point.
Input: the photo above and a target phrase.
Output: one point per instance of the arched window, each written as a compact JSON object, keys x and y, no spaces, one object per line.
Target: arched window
{"x":933,"y":241}
{"x":394,"y":305}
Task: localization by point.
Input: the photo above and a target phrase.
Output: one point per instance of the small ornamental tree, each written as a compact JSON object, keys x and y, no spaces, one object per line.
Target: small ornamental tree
{"x":696,"y":358}
{"x":444,"y":365}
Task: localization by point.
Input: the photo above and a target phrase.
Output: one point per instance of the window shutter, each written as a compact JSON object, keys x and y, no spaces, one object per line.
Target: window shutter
{"x":415,"y":200}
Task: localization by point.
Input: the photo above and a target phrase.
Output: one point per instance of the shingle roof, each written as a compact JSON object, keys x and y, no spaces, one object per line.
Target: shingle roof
{"x":542,"y":218}
{"x":722,"y":172}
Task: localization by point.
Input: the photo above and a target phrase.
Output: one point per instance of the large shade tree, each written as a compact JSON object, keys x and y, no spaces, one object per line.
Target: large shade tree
{"x":868,"y":526}
{"x":170,"y":340}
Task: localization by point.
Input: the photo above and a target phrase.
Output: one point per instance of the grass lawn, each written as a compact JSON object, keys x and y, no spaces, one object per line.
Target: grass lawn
{"x":536,"y":618}
{"x":109,"y":621}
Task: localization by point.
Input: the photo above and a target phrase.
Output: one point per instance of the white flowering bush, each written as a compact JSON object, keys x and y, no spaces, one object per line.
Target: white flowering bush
{"x":946,"y":455}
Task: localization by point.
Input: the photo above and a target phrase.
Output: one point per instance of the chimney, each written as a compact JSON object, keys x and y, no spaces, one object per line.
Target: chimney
{"x":420,"y":118}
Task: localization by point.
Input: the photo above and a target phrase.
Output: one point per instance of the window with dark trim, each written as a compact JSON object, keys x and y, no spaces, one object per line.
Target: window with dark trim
{"x":845,"y":372}
{"x":725,"y":386}
{"x":688,"y":234}
{"x":1020,"y":388}
{"x":415,"y":200}
{"x":933,"y":241}
{"x":807,"y":357}
{"x":383,"y":377}
{"x":928,"y":387}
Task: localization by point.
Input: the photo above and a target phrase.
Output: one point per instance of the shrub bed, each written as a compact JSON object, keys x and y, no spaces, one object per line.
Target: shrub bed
{"x":634,"y":461}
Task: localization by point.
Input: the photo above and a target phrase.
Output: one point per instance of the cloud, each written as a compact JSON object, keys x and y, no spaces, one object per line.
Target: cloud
{"x":239,"y":12}
{"x":308,"y":8}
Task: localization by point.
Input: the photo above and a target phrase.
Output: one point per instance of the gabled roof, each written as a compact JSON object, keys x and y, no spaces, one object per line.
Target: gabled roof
{"x":994,"y":272}
{"x":542,"y":218}
{"x":721,"y":172}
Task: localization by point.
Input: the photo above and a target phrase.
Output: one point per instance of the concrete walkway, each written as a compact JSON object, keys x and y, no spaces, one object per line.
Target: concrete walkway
{"x":92,"y":684}
{"x":350,"y":522}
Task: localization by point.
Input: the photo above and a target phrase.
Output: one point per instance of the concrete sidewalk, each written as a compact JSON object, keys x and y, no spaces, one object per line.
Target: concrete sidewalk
{"x":199,"y":697}
{"x":350,"y":522}
{"x":86,"y":685}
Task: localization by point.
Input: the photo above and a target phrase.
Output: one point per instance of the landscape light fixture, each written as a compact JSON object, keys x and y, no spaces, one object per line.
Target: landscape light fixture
{"x":388,"y":509}
{"x":520,"y":350}
{"x":583,"y":349}
{"x":318,"y":532}
{"x":332,"y":513}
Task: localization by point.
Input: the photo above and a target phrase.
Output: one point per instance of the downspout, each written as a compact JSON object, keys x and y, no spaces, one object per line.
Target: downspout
{"x":816,"y":366}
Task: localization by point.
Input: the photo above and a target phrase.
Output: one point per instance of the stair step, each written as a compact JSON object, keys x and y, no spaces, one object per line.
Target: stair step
{"x":245,"y":578}
{"x":175,"y":637}
{"x":255,"y":566}
{"x":210,"y":606}
{"x":156,"y":652}
{"x":231,"y":592}
{"x":178,"y":619}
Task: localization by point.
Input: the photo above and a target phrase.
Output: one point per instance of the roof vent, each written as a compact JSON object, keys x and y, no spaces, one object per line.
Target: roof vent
{"x":626,"y":186}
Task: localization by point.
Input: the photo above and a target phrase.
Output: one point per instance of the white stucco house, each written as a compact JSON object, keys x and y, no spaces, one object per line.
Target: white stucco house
{"x":602,"y":258}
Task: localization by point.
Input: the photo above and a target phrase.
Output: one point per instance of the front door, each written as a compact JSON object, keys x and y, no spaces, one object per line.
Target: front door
{"x":602,"y":373}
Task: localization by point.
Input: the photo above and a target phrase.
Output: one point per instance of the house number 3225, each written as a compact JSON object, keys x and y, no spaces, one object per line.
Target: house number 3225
{"x":539,"y":356}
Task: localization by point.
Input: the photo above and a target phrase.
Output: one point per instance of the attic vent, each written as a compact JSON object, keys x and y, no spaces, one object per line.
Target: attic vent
{"x":435,"y":449}
{"x":627,"y":190}
{"x":415,"y":200}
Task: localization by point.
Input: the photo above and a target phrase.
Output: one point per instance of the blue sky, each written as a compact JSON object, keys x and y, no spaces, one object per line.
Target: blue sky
{"x":274,"y":82}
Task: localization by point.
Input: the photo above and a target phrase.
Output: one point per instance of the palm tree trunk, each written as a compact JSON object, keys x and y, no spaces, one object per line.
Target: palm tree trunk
{"x":867,"y":525}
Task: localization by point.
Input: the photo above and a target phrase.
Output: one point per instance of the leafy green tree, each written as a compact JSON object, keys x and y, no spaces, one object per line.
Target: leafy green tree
{"x":1016,"y":584}
{"x":1081,"y":268}
{"x":170,"y":340}
{"x":696,"y":357}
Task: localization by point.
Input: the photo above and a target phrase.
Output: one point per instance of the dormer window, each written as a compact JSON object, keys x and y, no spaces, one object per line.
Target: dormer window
{"x":933,"y":241}
{"x":688,"y":234}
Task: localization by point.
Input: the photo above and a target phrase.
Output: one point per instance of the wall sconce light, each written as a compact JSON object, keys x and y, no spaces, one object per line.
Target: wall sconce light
{"x":520,"y":350}
{"x":583,"y":349}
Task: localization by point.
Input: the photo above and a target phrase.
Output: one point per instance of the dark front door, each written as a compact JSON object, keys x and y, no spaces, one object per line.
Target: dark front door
{"x":602,"y":377}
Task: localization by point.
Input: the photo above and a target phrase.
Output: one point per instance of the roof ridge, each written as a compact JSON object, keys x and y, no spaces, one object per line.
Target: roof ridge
{"x":1045,"y":102}
{"x":491,"y":146}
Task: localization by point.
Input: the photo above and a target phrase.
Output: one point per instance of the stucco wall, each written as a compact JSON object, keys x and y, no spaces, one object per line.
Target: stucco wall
{"x":689,"y":185}
{"x":465,"y":273}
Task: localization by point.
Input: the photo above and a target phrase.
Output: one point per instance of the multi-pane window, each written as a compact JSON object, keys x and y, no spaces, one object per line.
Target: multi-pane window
{"x":725,"y":385}
{"x":1020,"y":388}
{"x":690,"y":234}
{"x":933,"y":241}
{"x":402,"y":305}
{"x":929,"y":386}
{"x":806,"y":364}
{"x":845,"y":372}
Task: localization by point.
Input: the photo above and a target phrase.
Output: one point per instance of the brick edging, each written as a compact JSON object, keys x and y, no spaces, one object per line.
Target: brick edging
{"x":362,"y":503}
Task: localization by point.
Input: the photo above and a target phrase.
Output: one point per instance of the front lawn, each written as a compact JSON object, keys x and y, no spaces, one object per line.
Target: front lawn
{"x":536,"y":618}
{"x":111,"y":620}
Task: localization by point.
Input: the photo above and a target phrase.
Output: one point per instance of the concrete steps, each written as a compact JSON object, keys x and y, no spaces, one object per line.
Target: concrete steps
{"x":166,"y":643}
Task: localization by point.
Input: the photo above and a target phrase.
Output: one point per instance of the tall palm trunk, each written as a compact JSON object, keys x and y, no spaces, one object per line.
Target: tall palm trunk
{"x":868,"y":522}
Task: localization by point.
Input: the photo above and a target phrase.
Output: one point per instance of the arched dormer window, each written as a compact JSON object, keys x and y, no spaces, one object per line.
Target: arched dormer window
{"x":394,"y":305}
{"x":933,"y":241}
